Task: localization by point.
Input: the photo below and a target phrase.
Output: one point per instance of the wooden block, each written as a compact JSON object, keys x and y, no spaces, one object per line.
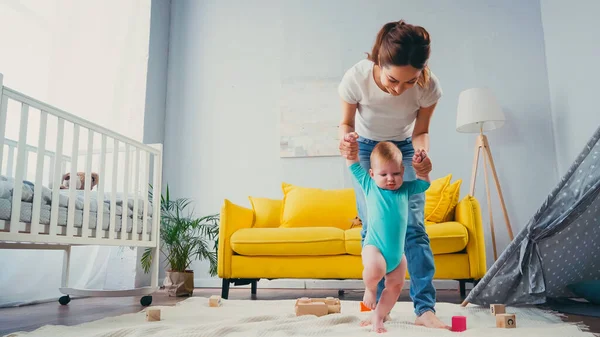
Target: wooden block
{"x":334,"y":309}
{"x":152,"y":315}
{"x":496,"y":309}
{"x":317,"y":306}
{"x":214,"y":301}
{"x":311,"y":308}
{"x":304,"y":300}
{"x":506,"y":321}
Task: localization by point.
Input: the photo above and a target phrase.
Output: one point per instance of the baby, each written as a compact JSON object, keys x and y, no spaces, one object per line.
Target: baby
{"x":387,"y":198}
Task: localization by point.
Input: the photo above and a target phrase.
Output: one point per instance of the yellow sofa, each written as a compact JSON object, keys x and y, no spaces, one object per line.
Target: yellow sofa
{"x":315,"y":234}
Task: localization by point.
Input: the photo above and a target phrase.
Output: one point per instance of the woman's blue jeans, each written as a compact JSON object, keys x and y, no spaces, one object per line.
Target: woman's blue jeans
{"x":417,"y":249}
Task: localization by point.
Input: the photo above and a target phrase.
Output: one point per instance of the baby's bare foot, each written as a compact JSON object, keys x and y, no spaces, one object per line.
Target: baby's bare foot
{"x":368,"y":321}
{"x":370,"y":298}
{"x":378,"y":324}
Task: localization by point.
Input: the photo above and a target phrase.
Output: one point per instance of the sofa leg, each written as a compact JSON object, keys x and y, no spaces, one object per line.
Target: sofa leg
{"x":462,"y":287}
{"x":225,"y":289}
{"x":254,"y":284}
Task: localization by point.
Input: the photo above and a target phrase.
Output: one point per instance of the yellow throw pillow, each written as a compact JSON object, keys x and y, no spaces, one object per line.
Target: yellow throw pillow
{"x":315,"y":207}
{"x":445,"y":200}
{"x":267,"y":212}
{"x":453,"y":193}
{"x":434,"y":196}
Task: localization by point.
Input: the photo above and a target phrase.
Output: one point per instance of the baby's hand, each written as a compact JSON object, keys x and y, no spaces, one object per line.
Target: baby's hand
{"x":351,"y":137}
{"x":421,"y":162}
{"x":349,"y":146}
{"x":419,"y":156}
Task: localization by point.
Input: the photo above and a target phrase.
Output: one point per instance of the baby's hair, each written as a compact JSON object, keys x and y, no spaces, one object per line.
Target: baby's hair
{"x":385,"y":152}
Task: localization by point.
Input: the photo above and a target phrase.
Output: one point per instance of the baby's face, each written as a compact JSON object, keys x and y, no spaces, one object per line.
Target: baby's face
{"x":387,"y":175}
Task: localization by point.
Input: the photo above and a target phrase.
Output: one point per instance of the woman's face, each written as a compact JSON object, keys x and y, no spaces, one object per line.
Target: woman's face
{"x":397,"y":79}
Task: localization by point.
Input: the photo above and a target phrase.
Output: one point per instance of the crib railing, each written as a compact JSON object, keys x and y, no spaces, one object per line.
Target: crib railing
{"x":11,"y":146}
{"x":135,"y":168}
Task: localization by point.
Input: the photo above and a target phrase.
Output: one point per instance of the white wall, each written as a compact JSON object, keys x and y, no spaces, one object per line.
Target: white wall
{"x":572,"y":51}
{"x":227,"y":60}
{"x":88,"y":58}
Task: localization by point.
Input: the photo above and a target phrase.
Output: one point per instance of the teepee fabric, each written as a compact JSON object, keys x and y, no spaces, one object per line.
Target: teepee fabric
{"x":559,"y":246}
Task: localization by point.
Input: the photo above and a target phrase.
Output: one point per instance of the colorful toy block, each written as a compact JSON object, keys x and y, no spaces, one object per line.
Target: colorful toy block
{"x":459,"y":323}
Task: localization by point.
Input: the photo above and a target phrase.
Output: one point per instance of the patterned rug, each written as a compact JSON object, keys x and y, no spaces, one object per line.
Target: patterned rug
{"x":245,"y":318}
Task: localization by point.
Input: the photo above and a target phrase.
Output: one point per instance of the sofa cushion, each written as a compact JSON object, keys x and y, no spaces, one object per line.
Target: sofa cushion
{"x":452,"y":193}
{"x":445,"y":238}
{"x":267,"y":212}
{"x":434,"y":195}
{"x":288,"y":241}
{"x":441,"y":199}
{"x":315,"y":207}
{"x":353,"y":241}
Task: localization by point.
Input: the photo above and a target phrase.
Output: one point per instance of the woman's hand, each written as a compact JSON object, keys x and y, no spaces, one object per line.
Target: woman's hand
{"x":348,"y":146}
{"x":421,"y":163}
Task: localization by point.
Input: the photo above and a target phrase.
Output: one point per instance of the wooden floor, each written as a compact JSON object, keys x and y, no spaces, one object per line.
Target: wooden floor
{"x":31,"y":317}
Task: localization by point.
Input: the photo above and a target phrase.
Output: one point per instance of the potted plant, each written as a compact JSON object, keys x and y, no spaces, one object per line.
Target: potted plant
{"x":184,"y":238}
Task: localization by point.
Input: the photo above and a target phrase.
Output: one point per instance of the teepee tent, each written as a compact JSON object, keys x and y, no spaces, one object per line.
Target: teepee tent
{"x":559,"y":246}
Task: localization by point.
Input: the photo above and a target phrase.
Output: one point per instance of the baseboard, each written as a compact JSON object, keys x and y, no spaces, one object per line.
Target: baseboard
{"x":315,"y":284}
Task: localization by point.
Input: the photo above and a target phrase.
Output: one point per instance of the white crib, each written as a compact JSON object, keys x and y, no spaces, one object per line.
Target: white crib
{"x":40,"y":215}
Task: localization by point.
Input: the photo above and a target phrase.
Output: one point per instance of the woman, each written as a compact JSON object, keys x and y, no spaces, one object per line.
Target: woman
{"x":395,"y":94}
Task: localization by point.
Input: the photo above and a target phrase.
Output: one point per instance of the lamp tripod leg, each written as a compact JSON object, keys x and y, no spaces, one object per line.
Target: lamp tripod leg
{"x":489,"y":204}
{"x":478,"y":146}
{"x":488,"y":154}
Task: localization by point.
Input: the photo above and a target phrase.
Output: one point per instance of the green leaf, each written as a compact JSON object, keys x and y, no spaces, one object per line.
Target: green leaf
{"x":184,"y":237}
{"x":146,"y":260}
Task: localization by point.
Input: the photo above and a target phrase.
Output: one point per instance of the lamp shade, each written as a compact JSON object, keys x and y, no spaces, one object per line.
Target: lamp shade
{"x":478,"y":110}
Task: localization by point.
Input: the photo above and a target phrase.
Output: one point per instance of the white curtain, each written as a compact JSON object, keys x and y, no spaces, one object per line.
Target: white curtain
{"x":88,"y":58}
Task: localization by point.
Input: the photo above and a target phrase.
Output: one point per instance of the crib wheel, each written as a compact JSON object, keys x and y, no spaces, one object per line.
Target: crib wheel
{"x":64,"y":300}
{"x":146,"y":301}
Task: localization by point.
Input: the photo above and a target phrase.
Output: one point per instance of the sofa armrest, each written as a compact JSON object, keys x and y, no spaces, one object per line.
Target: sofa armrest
{"x":233,"y":218}
{"x":468,"y":213}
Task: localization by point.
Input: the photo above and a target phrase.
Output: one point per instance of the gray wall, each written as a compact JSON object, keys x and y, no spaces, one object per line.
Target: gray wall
{"x":156,"y":81}
{"x":572,"y":49}
{"x":227,"y":60}
{"x":156,"y":93}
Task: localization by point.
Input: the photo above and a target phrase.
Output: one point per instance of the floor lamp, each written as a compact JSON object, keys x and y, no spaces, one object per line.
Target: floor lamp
{"x":479,"y":111}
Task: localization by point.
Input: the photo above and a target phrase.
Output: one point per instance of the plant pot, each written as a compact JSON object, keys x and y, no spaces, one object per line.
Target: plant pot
{"x":179,"y":283}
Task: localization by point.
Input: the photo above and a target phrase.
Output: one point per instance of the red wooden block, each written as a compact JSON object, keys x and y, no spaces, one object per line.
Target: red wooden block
{"x":459,"y":323}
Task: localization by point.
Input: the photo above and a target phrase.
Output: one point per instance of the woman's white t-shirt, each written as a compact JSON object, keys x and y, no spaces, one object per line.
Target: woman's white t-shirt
{"x":380,"y":115}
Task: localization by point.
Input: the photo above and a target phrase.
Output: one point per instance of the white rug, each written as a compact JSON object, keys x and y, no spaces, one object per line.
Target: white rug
{"x":245,"y":318}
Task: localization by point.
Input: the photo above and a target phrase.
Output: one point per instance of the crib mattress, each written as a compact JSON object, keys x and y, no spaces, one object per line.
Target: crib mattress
{"x":6,"y":192}
{"x":63,"y":212}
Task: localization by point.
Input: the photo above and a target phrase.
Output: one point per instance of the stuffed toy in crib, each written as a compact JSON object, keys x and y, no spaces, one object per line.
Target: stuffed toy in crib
{"x":80,"y":182}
